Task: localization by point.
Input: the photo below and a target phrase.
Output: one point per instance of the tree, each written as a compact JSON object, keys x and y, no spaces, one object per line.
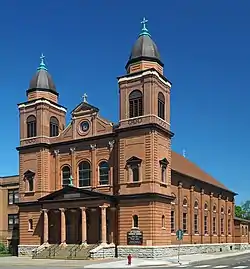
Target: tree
{"x":243,"y":211}
{"x":239,"y":212}
{"x":246,"y":208}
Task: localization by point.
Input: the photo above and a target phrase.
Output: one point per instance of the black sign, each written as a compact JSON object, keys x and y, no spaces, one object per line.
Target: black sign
{"x":135,"y":237}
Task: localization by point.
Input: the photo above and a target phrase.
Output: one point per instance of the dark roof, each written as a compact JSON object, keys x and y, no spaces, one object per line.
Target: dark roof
{"x":42,"y":80}
{"x":184,"y":166}
{"x":144,"y":49}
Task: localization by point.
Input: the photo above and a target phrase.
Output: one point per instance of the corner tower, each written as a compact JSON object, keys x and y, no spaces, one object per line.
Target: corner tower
{"x":144,"y":126}
{"x":41,"y":121}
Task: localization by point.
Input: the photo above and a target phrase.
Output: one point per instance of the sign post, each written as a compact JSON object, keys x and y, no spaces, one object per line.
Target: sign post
{"x":179,"y":237}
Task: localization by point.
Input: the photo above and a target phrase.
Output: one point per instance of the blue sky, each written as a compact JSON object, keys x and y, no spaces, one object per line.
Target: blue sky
{"x":205,"y":48}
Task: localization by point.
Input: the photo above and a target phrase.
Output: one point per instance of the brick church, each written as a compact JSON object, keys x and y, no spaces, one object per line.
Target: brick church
{"x":106,"y":185}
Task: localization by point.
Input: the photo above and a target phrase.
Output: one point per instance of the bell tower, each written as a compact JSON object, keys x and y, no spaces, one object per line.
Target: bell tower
{"x":41,"y":121}
{"x":144,"y":124}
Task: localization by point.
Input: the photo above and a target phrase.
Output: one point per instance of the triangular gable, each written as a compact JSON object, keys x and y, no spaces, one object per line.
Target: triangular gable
{"x":71,"y":192}
{"x":29,"y":173}
{"x":83,"y":107}
{"x":134,"y":159}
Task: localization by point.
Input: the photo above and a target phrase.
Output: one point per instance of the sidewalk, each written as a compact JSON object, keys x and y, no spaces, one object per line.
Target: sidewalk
{"x":168,"y":261}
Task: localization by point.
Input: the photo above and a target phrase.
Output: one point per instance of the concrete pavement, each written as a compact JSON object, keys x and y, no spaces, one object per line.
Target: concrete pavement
{"x":237,"y":260}
{"x":232,"y":262}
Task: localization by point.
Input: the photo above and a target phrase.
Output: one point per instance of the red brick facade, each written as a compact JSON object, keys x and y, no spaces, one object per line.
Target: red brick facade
{"x":92,"y":180}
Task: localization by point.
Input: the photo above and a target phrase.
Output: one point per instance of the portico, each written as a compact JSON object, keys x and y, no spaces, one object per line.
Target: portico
{"x":92,"y":221}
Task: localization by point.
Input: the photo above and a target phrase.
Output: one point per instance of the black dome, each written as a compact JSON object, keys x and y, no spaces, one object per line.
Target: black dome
{"x":42,"y":80}
{"x":144,"y":49}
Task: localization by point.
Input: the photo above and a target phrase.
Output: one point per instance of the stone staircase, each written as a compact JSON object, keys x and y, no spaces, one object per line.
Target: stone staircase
{"x":59,"y":252}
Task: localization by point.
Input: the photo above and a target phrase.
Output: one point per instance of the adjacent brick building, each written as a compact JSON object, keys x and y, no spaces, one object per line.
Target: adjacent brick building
{"x":92,"y":181}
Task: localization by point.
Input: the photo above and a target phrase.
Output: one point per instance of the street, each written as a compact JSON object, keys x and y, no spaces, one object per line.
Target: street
{"x":235,"y":262}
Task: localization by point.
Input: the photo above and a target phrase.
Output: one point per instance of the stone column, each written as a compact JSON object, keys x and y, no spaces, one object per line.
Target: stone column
{"x":179,"y":205}
{"x":202,"y":216}
{"x":58,"y":180}
{"x":104,"y":224}
{"x":95,"y":178}
{"x":191,"y":212}
{"x":45,"y":226}
{"x":63,"y":226}
{"x":211,"y":217}
{"x":73,"y":170}
{"x":84,"y":225}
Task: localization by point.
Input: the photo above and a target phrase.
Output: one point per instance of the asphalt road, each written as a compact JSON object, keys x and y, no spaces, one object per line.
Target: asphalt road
{"x":234,"y":262}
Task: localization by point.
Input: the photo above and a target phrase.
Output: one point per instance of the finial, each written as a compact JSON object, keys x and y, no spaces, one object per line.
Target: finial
{"x":144,"y":30}
{"x":184,"y":153}
{"x":42,"y":64}
{"x":85,"y":96}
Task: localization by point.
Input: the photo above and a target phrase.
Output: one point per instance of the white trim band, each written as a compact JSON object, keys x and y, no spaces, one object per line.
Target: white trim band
{"x":148,"y":72}
{"x":42,"y":102}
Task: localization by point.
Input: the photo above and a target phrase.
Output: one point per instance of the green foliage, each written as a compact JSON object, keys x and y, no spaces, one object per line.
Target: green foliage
{"x":3,"y":249}
{"x":243,"y":211}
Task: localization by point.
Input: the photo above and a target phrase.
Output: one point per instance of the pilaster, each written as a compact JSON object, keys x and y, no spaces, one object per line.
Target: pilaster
{"x":179,"y":205}
{"x":211,"y":217}
{"x":191,"y":213}
{"x":111,"y":170}
{"x":219,"y":218}
{"x":95,"y":178}
{"x":202,"y":215}
{"x":73,"y":167}
{"x":58,"y":180}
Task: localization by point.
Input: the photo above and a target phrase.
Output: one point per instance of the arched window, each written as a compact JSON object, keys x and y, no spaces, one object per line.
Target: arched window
{"x":84,"y":174}
{"x":65,"y":175}
{"x":222,"y":210}
{"x":163,"y":221}
{"x":229,"y":211}
{"x":54,"y":126}
{"x":245,"y":230}
{"x":30,"y":225}
{"x":161,"y":106}
{"x":135,"y":221}
{"x":31,"y":126}
{"x":196,"y":205}
{"x":135,"y":104}
{"x":103,"y":173}
{"x":205,"y":206}
{"x":185,"y":203}
{"x":214,"y":208}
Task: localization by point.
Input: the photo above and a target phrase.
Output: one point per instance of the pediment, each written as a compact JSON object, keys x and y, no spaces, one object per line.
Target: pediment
{"x":134,"y":160}
{"x":29,"y":173}
{"x":72,"y":193}
{"x":84,"y":108}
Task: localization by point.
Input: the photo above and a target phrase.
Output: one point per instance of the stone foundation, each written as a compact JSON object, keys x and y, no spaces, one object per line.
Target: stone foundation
{"x":172,"y":250}
{"x":27,"y":250}
{"x":101,"y":252}
{"x":109,"y":251}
